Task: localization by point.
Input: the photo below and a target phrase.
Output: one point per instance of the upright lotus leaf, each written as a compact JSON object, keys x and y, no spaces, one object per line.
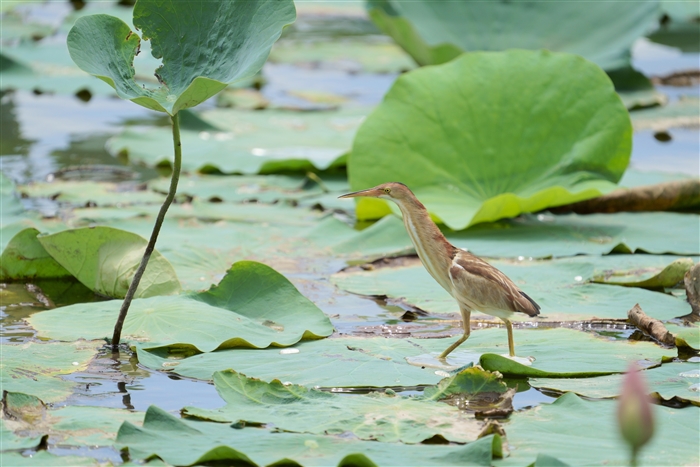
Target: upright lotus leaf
{"x":494,"y":134}
{"x":204,"y":47}
{"x":25,"y":258}
{"x":437,"y":31}
{"x":105,"y":259}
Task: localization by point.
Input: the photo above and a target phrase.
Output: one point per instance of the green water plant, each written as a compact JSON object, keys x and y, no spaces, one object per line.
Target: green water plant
{"x":204,"y":46}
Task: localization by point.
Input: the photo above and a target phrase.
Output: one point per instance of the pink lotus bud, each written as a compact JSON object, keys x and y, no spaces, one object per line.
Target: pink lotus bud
{"x":634,"y":412}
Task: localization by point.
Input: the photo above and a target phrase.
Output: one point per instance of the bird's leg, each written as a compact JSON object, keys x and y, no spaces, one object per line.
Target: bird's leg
{"x":511,"y":344}
{"x":466,"y":324}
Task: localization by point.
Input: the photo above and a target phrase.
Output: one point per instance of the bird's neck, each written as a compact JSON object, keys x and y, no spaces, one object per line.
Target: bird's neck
{"x":434,"y":250}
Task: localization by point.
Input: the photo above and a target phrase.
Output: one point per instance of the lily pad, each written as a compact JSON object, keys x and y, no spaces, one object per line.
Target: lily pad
{"x":250,"y":142}
{"x":680,"y":380}
{"x":11,"y":441}
{"x":25,"y":258}
{"x":587,"y":433}
{"x":253,"y":306}
{"x":45,"y":459}
{"x":105,"y":260}
{"x":557,"y":134}
{"x":559,"y":286}
{"x":193,"y":70}
{"x":184,"y":442}
{"x":436,"y":32}
{"x":376,"y":416}
{"x":649,"y":278}
{"x":381,"y":362}
{"x":546,"y":235}
{"x":32,"y":368}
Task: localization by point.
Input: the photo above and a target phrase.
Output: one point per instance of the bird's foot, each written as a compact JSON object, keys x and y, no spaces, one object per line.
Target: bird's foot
{"x":527,"y":361}
{"x":452,"y":362}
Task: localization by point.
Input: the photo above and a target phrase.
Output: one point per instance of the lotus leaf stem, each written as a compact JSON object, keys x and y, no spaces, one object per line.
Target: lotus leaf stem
{"x":154,"y":235}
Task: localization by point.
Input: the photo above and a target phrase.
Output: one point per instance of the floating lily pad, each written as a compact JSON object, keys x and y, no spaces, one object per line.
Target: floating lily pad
{"x":381,"y":362}
{"x":44,"y":459}
{"x":690,"y":333}
{"x":436,"y":32}
{"x":649,"y":278}
{"x":32,"y":368}
{"x":184,"y":442}
{"x":580,"y":432}
{"x":376,"y":416}
{"x":91,"y":426}
{"x":250,"y":142}
{"x":681,"y":113}
{"x":559,"y":286}
{"x":681,"y":380}
{"x":484,"y":169}
{"x":192,"y":72}
{"x":547,"y":235}
{"x":89,"y":193}
{"x":11,"y":441}
{"x":253,"y":306}
{"x":105,"y":260}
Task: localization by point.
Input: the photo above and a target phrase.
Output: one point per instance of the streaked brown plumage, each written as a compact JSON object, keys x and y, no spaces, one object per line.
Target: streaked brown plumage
{"x":474,"y":283}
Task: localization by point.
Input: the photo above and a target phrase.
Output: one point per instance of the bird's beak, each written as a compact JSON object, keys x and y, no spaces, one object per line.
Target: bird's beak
{"x":372,"y":193}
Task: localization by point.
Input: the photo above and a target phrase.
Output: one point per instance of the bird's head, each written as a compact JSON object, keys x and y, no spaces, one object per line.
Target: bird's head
{"x":393,"y":191}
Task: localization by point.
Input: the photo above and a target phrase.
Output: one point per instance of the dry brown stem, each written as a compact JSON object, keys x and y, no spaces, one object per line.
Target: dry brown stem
{"x":650,"y":326}
{"x":680,"y":194}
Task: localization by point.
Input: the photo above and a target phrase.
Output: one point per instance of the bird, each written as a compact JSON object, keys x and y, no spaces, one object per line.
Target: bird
{"x":472,"y":282}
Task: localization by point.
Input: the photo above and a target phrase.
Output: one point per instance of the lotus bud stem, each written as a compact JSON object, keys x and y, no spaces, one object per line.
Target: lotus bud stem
{"x":634,"y":412}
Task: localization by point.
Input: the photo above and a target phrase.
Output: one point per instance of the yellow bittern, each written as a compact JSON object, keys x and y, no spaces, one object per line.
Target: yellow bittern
{"x":474,"y":283}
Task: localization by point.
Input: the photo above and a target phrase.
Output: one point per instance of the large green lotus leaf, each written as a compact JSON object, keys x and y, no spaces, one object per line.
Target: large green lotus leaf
{"x":435,"y":32}
{"x":33,"y":368}
{"x":249,"y":142}
{"x":681,"y":380}
{"x":185,"y":442}
{"x":253,"y":306}
{"x":580,"y":432}
{"x":375,"y":416}
{"x":25,"y":258}
{"x":689,"y":333}
{"x":105,"y":260}
{"x":381,"y":362}
{"x":494,"y":134}
{"x":559,"y":286}
{"x":203,"y":49}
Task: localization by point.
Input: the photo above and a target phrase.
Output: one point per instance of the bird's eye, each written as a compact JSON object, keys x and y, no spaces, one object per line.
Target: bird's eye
{"x":387,"y":190}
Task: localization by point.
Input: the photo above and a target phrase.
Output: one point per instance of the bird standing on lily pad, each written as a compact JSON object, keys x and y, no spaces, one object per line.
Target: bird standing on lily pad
{"x":474,"y":283}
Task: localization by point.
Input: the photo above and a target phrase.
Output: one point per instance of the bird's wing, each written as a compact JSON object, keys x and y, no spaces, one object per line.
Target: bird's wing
{"x":482,"y":287}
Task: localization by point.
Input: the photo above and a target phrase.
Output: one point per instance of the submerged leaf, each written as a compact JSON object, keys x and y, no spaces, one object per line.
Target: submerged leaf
{"x":493,"y":135}
{"x":204,"y":47}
